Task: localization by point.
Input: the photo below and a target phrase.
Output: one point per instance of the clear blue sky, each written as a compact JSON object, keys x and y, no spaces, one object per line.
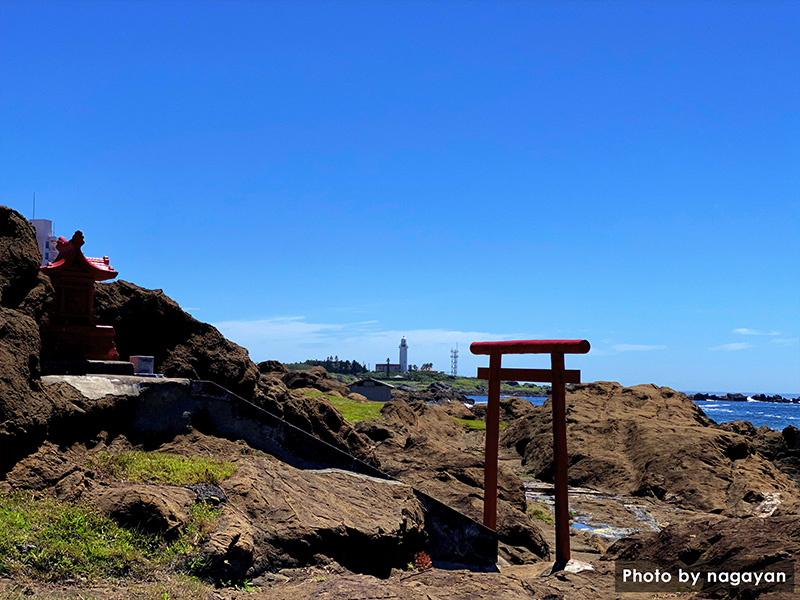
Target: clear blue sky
{"x":320,"y":178}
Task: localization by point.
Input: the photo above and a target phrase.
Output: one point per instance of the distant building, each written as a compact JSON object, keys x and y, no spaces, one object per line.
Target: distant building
{"x":400,"y":367}
{"x":372,"y":389}
{"x":387,"y":367}
{"x":403,"y":355}
{"x":45,"y":239}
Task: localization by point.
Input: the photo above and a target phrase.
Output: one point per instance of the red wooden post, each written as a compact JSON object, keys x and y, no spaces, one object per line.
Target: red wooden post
{"x":558,"y":376}
{"x":492,"y":444}
{"x":560,"y":460}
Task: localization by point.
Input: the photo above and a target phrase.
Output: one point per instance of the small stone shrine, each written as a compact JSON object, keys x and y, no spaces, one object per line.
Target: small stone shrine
{"x":70,"y":333}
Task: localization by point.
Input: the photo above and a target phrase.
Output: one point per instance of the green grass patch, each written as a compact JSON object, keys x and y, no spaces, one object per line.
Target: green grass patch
{"x":52,"y":540}
{"x":166,"y":468}
{"x":541,"y":512}
{"x":352,"y":410}
{"x":477,"y":424}
{"x":45,"y":539}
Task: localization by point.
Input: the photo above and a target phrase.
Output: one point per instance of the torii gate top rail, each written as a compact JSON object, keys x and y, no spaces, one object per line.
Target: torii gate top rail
{"x":556,"y":375}
{"x":531,"y":347}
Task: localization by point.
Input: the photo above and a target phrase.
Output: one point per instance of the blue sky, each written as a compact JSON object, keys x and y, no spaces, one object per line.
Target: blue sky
{"x":320,"y":178}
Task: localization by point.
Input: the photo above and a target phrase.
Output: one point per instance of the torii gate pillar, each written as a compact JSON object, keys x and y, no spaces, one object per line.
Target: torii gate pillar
{"x":558,"y":377}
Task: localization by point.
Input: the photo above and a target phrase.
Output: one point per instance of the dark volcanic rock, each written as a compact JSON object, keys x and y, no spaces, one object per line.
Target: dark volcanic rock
{"x":652,"y":441}
{"x":22,"y":287}
{"x":726,"y":398}
{"x":24,"y":295}
{"x":317,"y":378}
{"x":272,"y":366}
{"x":148,"y":322}
{"x":780,"y":447}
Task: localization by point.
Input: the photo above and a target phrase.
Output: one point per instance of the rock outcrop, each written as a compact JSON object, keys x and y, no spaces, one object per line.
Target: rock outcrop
{"x":314,"y":414}
{"x":317,"y":378}
{"x":24,"y":295}
{"x":150,"y":323}
{"x":274,"y":516}
{"x":652,"y":441}
{"x":780,"y":447}
{"x":22,"y":287}
{"x":424,"y":446}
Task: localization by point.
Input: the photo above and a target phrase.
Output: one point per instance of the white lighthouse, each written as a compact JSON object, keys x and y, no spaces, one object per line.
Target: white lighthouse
{"x":403,"y":355}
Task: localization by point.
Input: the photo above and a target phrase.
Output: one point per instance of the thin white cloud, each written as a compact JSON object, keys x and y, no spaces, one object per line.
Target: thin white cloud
{"x":735,"y":346}
{"x":636,"y":347}
{"x":785,"y":341}
{"x":746,"y":331}
{"x":294,"y":339}
{"x":612,"y":349}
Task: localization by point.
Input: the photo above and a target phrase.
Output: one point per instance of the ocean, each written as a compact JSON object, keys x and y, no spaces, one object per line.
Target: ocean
{"x":774,"y":415}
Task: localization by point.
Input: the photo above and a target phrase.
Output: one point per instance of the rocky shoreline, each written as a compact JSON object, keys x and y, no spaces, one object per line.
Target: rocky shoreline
{"x":742,"y":398}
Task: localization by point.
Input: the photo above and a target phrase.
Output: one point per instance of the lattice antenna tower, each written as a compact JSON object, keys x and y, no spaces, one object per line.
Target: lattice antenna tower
{"x":454,"y":361}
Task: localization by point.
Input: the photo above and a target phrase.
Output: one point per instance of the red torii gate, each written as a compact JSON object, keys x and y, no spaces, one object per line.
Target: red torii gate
{"x":558,"y":377}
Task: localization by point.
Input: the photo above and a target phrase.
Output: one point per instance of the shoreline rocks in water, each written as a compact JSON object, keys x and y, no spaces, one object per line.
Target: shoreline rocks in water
{"x":742,"y":398}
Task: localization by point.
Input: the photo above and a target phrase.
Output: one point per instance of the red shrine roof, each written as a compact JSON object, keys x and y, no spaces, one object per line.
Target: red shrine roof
{"x":71,"y":259}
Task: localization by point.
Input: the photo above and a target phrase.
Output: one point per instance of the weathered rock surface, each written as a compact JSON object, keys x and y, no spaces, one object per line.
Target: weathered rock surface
{"x":156,"y":509}
{"x":24,"y":295}
{"x":272,"y":366}
{"x":742,"y":544}
{"x":423,"y":446}
{"x":652,"y":441}
{"x":22,"y":286}
{"x":317,"y":378}
{"x":274,"y":516}
{"x":150,"y":323}
{"x":514,"y":583}
{"x":780,"y":447}
{"x":330,"y":581}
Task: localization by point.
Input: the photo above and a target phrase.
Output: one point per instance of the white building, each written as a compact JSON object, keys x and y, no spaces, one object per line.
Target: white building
{"x":403,"y":355}
{"x":45,"y":239}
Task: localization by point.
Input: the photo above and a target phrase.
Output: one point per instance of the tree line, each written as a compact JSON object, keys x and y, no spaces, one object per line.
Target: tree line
{"x":332,"y":364}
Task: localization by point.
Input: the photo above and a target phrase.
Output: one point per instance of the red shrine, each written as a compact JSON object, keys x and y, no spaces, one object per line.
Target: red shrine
{"x":70,"y":332}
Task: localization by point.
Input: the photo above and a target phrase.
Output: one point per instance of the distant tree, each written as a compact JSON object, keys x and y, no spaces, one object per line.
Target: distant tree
{"x":332,"y":365}
{"x":427,"y":367}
